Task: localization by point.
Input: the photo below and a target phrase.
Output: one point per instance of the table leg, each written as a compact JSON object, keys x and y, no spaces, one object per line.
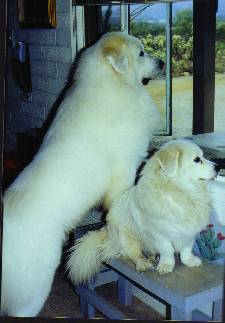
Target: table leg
{"x":217,"y":311}
{"x":124,"y":290}
{"x":87,"y":310}
{"x":177,"y":314}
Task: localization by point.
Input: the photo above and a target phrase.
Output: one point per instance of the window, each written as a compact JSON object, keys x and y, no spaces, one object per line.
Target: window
{"x":166,"y":30}
{"x":152,"y":24}
{"x":114,"y":18}
{"x":219,"y":120}
{"x":182,"y":66}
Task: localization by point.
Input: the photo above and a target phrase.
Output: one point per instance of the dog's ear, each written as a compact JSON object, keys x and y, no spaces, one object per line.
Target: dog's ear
{"x":168,"y":161}
{"x":114,"y":52}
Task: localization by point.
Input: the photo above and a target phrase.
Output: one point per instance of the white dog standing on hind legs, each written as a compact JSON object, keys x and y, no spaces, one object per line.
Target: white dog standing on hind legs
{"x":161,"y":214}
{"x":90,"y":154}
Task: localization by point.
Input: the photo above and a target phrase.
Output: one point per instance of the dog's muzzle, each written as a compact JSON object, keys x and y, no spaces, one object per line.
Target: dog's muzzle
{"x":146,"y":80}
{"x":159,"y":65}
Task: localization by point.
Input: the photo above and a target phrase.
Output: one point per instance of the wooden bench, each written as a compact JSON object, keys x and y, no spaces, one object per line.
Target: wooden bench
{"x":183,"y":291}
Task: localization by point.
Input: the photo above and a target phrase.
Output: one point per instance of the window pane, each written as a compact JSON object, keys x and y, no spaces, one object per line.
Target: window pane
{"x":219,"y":121}
{"x":182,"y":63}
{"x":111,"y":18}
{"x":148,"y":22}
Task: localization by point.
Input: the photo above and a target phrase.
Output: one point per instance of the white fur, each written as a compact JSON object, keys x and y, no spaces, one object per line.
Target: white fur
{"x":161,"y":214}
{"x":90,"y":152}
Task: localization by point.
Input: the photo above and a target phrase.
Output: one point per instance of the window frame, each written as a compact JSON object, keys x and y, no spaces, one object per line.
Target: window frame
{"x":125,"y":27}
{"x":203,"y":98}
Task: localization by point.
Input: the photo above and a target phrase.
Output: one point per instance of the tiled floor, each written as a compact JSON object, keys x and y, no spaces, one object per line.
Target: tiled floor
{"x":62,"y":302}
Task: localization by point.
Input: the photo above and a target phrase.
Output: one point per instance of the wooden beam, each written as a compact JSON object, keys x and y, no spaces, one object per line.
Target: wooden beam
{"x":118,"y":2}
{"x":204,"y":31}
{"x":92,"y":26}
{"x":3,"y":19}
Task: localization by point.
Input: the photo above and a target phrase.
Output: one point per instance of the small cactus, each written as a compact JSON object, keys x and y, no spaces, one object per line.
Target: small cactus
{"x":211,"y":230}
{"x":209,"y":242}
{"x":205,"y":252}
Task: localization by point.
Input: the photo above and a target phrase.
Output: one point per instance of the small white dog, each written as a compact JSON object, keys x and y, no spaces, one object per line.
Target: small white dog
{"x":161,"y":214}
{"x":90,"y":153}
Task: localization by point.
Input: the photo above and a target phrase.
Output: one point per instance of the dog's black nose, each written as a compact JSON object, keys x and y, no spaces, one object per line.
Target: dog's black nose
{"x":160,"y":64}
{"x":217,"y":168}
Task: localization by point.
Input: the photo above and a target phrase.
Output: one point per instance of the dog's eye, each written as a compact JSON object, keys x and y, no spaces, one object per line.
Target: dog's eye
{"x":197,"y":160}
{"x":141,"y":53}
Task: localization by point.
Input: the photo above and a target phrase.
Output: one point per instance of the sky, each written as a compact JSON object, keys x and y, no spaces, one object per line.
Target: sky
{"x":157,"y":11}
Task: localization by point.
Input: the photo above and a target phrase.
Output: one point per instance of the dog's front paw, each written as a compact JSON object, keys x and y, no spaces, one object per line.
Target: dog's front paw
{"x":143,"y":264}
{"x":192,"y":261}
{"x":164,"y":267}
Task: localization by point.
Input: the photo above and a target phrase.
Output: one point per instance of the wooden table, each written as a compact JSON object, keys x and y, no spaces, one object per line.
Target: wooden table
{"x":183,"y":291}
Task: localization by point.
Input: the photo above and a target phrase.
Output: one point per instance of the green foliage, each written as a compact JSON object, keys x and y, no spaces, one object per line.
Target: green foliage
{"x":183,"y":24}
{"x":182,"y":58}
{"x":220,"y":31}
{"x":182,"y":52}
{"x":220,"y":57}
{"x":142,"y":28}
{"x":220,"y":47}
{"x":153,"y":37}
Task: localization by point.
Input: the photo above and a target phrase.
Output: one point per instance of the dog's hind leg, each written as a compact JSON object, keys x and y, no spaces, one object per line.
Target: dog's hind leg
{"x":131,"y":249}
{"x":29,"y":310}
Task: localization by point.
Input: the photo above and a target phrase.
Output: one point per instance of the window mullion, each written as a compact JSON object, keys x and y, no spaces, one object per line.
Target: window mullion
{"x":169,"y":68}
{"x":124,"y":18}
{"x":80,"y":26}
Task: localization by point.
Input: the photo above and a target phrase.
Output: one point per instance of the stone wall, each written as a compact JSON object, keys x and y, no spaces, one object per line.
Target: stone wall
{"x":51,"y":54}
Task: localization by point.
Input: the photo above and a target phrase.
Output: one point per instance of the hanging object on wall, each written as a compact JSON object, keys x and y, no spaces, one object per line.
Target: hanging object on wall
{"x":37,"y":14}
{"x":20,"y":64}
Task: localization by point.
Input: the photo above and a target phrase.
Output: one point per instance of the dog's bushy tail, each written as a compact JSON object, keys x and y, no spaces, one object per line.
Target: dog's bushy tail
{"x":87,"y":256}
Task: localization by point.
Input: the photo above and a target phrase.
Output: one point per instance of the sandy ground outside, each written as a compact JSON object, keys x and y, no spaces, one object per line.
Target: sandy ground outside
{"x":182,"y":103}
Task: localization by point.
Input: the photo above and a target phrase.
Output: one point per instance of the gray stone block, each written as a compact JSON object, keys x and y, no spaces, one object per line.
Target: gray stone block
{"x":63,"y":6}
{"x":36,"y":52}
{"x":38,"y":67}
{"x":57,"y":54}
{"x":43,"y":98}
{"x":34,"y":110}
{"x":51,"y":69}
{"x":63,"y":38}
{"x":63,"y":70}
{"x":53,"y":85}
{"x":37,"y":82}
{"x":42,"y":36}
{"x":43,"y":68}
{"x":63,"y":21}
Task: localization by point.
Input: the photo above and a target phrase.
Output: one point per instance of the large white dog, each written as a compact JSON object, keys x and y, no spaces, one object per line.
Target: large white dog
{"x":90,"y":153}
{"x":161,"y":214}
